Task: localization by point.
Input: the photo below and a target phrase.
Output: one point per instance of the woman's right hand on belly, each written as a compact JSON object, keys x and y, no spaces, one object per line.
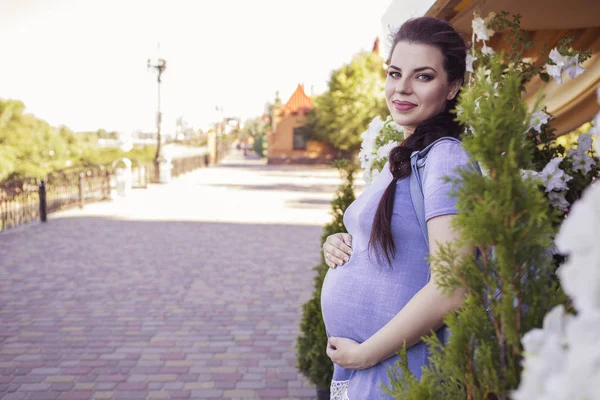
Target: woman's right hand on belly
{"x":337,"y":249}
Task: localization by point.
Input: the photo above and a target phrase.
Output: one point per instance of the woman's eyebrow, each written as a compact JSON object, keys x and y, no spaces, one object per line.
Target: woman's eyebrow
{"x":416,"y":69}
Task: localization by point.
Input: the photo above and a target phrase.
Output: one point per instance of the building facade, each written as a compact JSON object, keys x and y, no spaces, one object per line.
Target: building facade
{"x":287,"y":143}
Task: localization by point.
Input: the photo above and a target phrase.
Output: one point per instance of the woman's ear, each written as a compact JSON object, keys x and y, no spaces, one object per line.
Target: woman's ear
{"x":453,"y":89}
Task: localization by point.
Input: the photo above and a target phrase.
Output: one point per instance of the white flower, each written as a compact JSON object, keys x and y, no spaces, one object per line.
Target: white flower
{"x":537,"y":119}
{"x":545,"y":355}
{"x":581,"y":159}
{"x":376,"y":125}
{"x":488,"y":73}
{"x":562,"y":360}
{"x":572,"y":67}
{"x":554,"y":71}
{"x":530,"y":174}
{"x":584,"y":142}
{"x":557,"y":199}
{"x":384,"y":151}
{"x":482,"y":32}
{"x":364,"y":155}
{"x":558,"y":58}
{"x":469,"y":62}
{"x":553,"y":177}
{"x":582,"y":162}
{"x":578,"y":237}
{"x":487,"y":50}
{"x":569,"y":65}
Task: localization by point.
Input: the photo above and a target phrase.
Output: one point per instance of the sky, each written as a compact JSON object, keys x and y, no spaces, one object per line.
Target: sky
{"x":83,"y":63}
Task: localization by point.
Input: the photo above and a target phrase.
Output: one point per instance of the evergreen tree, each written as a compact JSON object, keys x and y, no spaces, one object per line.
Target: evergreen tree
{"x":311,"y":354}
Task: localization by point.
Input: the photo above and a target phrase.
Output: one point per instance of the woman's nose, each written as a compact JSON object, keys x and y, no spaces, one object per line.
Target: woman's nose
{"x":403,"y":86}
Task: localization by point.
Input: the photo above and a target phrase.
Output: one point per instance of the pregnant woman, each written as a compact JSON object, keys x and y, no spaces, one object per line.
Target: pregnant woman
{"x":385,"y":295}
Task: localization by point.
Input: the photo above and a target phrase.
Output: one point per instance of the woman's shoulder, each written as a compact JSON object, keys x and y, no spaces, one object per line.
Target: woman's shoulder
{"x":446,"y":145}
{"x":445,"y":156}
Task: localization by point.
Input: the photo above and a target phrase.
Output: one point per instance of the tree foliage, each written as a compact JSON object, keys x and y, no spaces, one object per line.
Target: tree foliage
{"x":354,"y":97}
{"x":29,"y":146}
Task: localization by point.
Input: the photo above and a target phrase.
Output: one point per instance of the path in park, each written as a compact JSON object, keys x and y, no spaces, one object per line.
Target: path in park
{"x":191,"y":289}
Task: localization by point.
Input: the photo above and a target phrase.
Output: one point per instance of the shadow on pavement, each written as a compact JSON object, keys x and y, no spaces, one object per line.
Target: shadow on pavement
{"x":280,"y":187}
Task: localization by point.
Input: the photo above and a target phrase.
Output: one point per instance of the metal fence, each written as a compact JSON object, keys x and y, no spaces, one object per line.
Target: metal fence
{"x":30,"y":199}
{"x":183,"y":165}
{"x":19,"y":202}
{"x":75,"y":187}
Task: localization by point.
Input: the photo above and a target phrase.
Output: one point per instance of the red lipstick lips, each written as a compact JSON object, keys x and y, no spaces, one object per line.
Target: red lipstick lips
{"x":404,"y":105}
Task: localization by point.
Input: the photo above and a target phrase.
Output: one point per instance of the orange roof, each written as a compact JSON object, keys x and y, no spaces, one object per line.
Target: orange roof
{"x":298,"y":101}
{"x":376,"y":46}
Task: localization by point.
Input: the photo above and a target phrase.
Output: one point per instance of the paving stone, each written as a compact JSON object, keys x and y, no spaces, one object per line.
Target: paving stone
{"x":192,"y":289}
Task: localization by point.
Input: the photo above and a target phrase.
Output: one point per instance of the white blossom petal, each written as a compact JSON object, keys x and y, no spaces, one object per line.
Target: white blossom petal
{"x":384,"y":151}
{"x":578,"y":236}
{"x":482,"y":32}
{"x":572,"y":67}
{"x":537,"y":119}
{"x":554,"y":71}
{"x":582,"y":162}
{"x":557,"y":58}
{"x":469,"y":62}
{"x":487,"y":50}
{"x":557,"y":199}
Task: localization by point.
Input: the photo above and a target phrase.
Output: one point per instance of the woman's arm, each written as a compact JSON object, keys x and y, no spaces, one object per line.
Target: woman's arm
{"x":424,"y":312}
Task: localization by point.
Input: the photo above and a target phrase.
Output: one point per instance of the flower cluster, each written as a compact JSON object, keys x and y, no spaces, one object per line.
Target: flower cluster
{"x":377,"y":142}
{"x":482,"y":32}
{"x":562,"y":360}
{"x":555,"y":179}
{"x":560,"y":63}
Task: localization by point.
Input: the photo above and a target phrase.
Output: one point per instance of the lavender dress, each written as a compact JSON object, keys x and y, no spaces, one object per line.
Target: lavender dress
{"x":360,"y":297}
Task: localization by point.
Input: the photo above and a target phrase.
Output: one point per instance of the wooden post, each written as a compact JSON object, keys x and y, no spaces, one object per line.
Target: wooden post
{"x":81,"y":194}
{"x":106,"y":184}
{"x":213,"y":151}
{"x":43,"y":203}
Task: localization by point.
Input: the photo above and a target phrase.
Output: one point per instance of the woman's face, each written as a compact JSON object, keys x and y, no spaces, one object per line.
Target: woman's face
{"x":417,"y":86}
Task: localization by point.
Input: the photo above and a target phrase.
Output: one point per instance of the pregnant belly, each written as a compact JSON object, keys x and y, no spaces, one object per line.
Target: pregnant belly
{"x":359,"y":298}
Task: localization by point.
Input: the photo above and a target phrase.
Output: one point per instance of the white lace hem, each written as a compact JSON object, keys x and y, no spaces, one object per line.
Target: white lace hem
{"x":339,"y":390}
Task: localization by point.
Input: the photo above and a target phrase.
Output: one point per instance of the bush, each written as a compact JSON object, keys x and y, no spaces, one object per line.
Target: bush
{"x":259,"y":145}
{"x":311,"y":354}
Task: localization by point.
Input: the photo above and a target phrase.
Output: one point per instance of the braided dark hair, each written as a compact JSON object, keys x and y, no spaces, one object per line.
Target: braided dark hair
{"x":438,"y":33}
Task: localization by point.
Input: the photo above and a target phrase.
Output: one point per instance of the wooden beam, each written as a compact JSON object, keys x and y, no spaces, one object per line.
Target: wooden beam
{"x":444,"y":9}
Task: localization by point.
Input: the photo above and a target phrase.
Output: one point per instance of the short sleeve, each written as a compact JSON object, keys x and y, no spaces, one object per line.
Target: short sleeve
{"x":443,"y":160}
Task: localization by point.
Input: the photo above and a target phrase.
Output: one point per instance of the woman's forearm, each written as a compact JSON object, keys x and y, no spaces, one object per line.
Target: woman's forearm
{"x":423,"y":313}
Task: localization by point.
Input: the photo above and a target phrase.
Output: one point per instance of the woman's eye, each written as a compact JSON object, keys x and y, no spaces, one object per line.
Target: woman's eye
{"x":394,"y":74}
{"x":423,"y":77}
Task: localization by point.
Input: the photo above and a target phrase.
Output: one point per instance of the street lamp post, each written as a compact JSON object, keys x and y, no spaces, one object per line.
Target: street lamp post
{"x":160,"y":66}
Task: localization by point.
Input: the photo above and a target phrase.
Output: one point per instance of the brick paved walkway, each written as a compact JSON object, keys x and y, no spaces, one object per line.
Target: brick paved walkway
{"x":187,"y":290}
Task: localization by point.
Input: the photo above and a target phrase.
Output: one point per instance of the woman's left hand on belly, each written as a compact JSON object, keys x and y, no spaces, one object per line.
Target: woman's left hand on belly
{"x":347,"y":353}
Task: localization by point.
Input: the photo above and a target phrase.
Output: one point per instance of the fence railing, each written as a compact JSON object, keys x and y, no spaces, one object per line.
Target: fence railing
{"x":19,"y":202}
{"x":31,"y":199}
{"x":75,"y":187}
{"x":187,"y":164}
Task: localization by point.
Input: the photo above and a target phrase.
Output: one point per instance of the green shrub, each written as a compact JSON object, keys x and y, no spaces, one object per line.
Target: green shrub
{"x":311,"y":354}
{"x":259,"y":145}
